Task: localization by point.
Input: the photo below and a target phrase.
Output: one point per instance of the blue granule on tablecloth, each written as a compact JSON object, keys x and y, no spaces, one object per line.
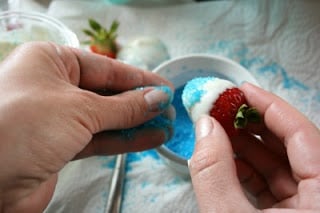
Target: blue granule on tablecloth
{"x":183,"y":140}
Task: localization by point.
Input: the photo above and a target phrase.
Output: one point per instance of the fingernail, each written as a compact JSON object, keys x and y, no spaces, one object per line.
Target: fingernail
{"x":159,"y":98}
{"x":204,"y":127}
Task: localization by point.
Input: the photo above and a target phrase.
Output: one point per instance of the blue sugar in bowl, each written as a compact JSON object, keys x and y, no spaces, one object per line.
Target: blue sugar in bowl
{"x":179,"y":71}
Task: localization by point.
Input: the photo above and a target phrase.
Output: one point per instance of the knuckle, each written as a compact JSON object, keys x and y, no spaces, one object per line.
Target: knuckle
{"x":201,"y":161}
{"x":131,"y":112}
{"x":83,"y":110}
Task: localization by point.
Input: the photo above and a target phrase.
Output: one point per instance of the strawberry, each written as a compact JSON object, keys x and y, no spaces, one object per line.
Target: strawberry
{"x":220,"y":99}
{"x":232,"y":111}
{"x":103,"y":41}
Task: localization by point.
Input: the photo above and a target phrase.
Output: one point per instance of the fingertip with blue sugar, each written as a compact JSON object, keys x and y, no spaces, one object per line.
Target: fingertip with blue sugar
{"x":158,"y":98}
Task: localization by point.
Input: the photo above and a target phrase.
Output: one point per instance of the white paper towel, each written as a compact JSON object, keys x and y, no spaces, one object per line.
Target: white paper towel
{"x":280,"y":38}
{"x":278,"y":41}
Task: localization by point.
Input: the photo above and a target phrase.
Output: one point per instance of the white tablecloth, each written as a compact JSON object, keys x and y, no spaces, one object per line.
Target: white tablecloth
{"x":278,"y":41}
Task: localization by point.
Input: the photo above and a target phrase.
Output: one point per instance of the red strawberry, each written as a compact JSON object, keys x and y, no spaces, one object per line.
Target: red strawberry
{"x":232,"y":112}
{"x":103,"y":41}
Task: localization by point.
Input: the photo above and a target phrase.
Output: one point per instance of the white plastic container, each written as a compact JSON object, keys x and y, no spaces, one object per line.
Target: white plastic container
{"x":17,"y":27}
{"x":180,"y":70}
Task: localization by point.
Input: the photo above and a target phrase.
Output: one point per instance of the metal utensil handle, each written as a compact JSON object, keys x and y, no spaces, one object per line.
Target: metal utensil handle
{"x":116,"y":188}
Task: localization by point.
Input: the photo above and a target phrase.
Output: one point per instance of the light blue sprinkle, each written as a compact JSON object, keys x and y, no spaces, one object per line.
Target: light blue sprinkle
{"x":290,"y":82}
{"x":165,"y":89}
{"x":193,"y":91}
{"x":174,"y":182}
{"x":242,"y":52}
{"x":317,"y":97}
{"x":104,"y":194}
{"x":153,"y":198}
{"x":144,"y":184}
{"x":248,"y":63}
{"x":107,"y":164}
{"x":273,"y":68}
{"x":139,"y":156}
{"x":223,"y":44}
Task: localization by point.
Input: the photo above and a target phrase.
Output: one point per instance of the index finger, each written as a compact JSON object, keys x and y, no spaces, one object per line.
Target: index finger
{"x":101,"y":72}
{"x":299,"y":135}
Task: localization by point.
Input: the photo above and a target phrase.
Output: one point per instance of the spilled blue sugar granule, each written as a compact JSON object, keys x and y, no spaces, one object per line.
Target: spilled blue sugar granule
{"x":138,"y":156}
{"x":183,"y":140}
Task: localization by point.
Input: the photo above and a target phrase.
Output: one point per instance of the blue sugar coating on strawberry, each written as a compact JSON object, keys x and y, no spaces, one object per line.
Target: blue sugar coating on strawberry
{"x":193,"y":91}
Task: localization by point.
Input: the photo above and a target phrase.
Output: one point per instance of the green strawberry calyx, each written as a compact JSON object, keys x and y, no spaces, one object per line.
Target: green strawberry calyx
{"x":246,"y":115}
{"x":102,"y":37}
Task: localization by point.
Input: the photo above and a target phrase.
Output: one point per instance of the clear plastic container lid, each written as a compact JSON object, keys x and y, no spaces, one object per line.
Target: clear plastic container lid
{"x":17,"y":27}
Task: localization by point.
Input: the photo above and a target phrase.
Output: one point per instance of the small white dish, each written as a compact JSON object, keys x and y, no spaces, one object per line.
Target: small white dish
{"x":182,"y":69}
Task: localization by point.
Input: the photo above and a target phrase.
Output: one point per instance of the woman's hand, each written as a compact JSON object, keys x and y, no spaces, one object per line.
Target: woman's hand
{"x":282,"y":170}
{"x":50,"y":115}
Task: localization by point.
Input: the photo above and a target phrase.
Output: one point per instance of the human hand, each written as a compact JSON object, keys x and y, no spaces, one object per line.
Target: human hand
{"x":281,"y":171}
{"x":49,"y":116}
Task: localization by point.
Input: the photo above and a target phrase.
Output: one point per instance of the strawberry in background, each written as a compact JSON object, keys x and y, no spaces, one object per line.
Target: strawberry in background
{"x":103,"y":41}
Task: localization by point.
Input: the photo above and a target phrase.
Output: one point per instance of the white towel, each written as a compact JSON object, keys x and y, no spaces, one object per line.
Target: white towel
{"x":278,"y":41}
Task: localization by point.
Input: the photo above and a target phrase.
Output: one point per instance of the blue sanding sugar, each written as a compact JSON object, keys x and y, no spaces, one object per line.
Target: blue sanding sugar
{"x":193,"y":91}
{"x":183,"y":140}
{"x":160,"y":122}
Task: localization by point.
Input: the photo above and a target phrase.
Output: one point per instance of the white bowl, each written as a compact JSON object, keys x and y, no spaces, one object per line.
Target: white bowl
{"x":182,"y":69}
{"x":17,"y":27}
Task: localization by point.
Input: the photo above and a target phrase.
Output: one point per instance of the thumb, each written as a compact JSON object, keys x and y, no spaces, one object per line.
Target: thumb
{"x":130,"y":108}
{"x":213,"y":171}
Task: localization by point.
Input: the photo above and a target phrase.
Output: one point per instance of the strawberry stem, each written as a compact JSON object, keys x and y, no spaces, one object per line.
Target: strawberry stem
{"x":95,"y":25}
{"x":246,"y":115}
{"x":102,"y":40}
